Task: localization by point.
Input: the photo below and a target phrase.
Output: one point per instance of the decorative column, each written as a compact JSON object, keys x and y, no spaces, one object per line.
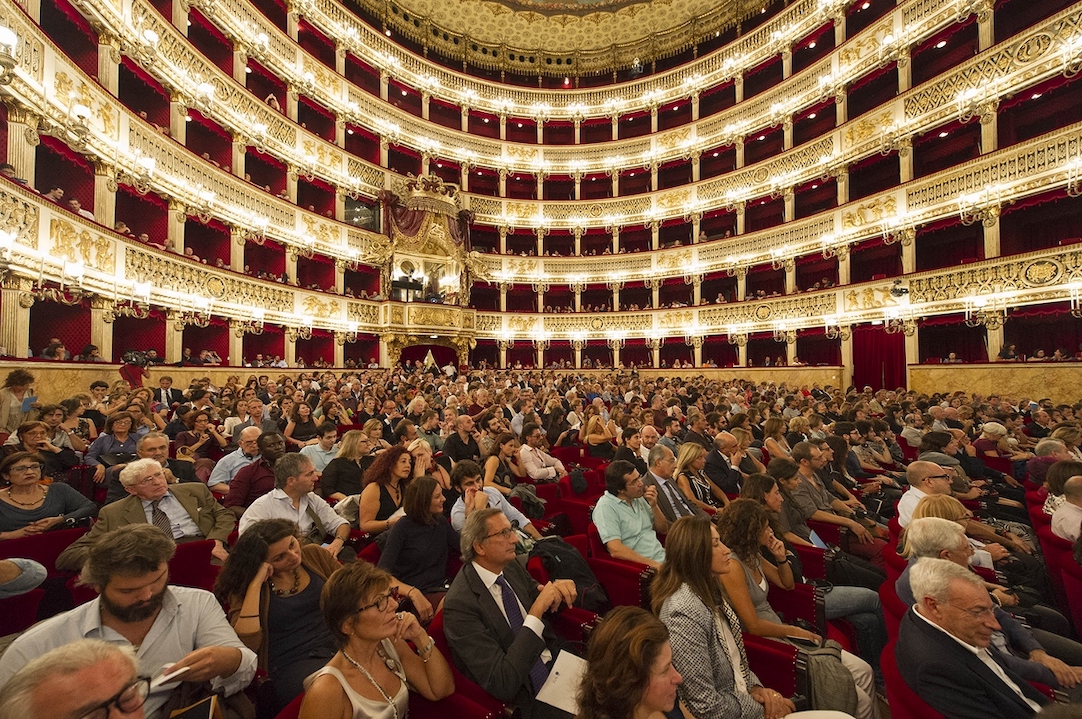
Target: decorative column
{"x":104,"y":199}
{"x":178,"y":215}
{"x":290,"y":354}
{"x":994,"y":341}
{"x":841,"y":108}
{"x":539,"y":347}
{"x":238,"y":240}
{"x":654,"y":283}
{"x":577,"y":344}
{"x":109,"y":66}
{"x":503,"y":126}
{"x":695,"y":106}
{"x":503,"y":238}
{"x":101,"y":325}
{"x":847,"y":360}
{"x":576,"y":232}
{"x":905,"y":71}
{"x":615,"y":343}
{"x":790,"y":351}
{"x":578,"y":130}
{"x":292,"y":103}
{"x":696,"y":344}
{"x":986,"y":35}
{"x":786,"y":63}
{"x":240,"y":62}
{"x":174,"y":336}
{"x":654,"y":167}
{"x":655,"y":344}
{"x":615,"y":240}
{"x":787,"y":133}
{"x":653,"y":118}
{"x":790,"y":275}
{"x":425,"y":99}
{"x":340,"y":278}
{"x":990,"y":225}
{"x":738,"y":85}
{"x":655,"y":235}
{"x":905,"y":158}
{"x":22,"y":142}
{"x":541,"y":233}
{"x":178,"y":118}
{"x":615,"y":124}
{"x":503,"y":346}
{"x":576,"y":294}
{"x":239,"y":154}
{"x":912,"y":350}
{"x":789,"y":204}
{"x":843,"y":265}
{"x":15,"y":304}
{"x":577,"y":177}
{"x":180,"y":22}
{"x":739,"y":146}
{"x":339,"y":348}
{"x":909,"y":254}
{"x":384,"y":93}
{"x":989,"y":127}
{"x":503,"y":182}
{"x":839,"y":35}
{"x":236,"y":343}
{"x":741,"y":216}
{"x":695,"y":169}
{"x":843,"y":186}
{"x":696,"y":282}
{"x":384,"y":151}
{"x":291,"y":268}
{"x":503,"y":296}
{"x":741,"y":283}
{"x":615,"y":286}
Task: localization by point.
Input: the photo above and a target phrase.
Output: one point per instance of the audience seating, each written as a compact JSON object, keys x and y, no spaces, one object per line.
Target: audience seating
{"x":904,"y":702}
{"x":833,"y":534}
{"x":814,"y":561}
{"x":467,"y":688}
{"x":780,"y":666}
{"x":191,"y":565}
{"x":805,"y":601}
{"x":1057,"y":554}
{"x":893,"y":608}
{"x":1072,"y":586}
{"x":20,"y":612}
{"x":42,"y":548}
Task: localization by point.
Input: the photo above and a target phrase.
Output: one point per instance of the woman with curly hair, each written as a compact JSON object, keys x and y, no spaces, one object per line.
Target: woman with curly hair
{"x":384,"y":483}
{"x":502,"y":471}
{"x":271,"y":583}
{"x":15,"y":389}
{"x":629,"y":669}
{"x":744,"y":527}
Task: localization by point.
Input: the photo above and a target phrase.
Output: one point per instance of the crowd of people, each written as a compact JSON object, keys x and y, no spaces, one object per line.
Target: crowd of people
{"x":719,"y":486}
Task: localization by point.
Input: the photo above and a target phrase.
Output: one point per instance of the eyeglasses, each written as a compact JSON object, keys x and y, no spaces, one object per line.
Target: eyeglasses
{"x":381,"y":603}
{"x":152,"y":478}
{"x":940,"y":476}
{"x":25,"y":468}
{"x":502,"y":534}
{"x":976,"y":613}
{"x":128,"y":700}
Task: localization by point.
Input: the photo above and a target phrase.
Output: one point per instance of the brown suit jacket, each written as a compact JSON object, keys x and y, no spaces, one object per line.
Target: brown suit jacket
{"x":214,"y":520}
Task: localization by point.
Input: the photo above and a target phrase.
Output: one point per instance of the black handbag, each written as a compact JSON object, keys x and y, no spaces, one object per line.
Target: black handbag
{"x":112,"y":459}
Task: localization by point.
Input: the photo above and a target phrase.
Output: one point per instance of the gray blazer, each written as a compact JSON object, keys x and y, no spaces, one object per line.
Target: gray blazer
{"x":663,"y":500}
{"x":698,"y":653}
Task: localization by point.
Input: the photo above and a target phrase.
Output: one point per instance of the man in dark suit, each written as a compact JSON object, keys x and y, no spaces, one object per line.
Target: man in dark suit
{"x":942,"y":649}
{"x":696,"y":433}
{"x":165,"y":393}
{"x":495,"y":640}
{"x":672,"y":502}
{"x":187,"y":512}
{"x":719,"y":465}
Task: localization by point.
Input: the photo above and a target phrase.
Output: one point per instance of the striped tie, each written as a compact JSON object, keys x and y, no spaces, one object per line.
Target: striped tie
{"x":160,"y":519}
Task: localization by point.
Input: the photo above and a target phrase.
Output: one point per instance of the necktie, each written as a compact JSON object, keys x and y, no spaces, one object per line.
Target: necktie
{"x":734,"y":626}
{"x":160,"y":519}
{"x":538,"y":672}
{"x":678,"y":505}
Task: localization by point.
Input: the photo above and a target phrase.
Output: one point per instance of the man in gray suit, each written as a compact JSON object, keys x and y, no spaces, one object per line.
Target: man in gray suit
{"x":495,"y":640}
{"x":672,"y":502}
{"x":186,"y":512}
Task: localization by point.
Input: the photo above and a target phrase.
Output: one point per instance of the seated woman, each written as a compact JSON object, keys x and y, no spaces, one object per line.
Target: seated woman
{"x":198,"y":442}
{"x":598,"y":438}
{"x":500,"y":469}
{"x":695,"y":485}
{"x":417,"y":546}
{"x":558,"y":430}
{"x":271,"y":583}
{"x":994,"y":442}
{"x":774,"y":438}
{"x":28,"y":507}
{"x":344,"y":475}
{"x":374,"y":668}
{"x":629,"y":669}
{"x":384,"y":483}
{"x":630,"y":444}
{"x":81,"y":427}
{"x":745,"y":528}
{"x":374,"y":429}
{"x":749,"y":460}
{"x":114,"y":446}
{"x":707,"y":646}
{"x":35,"y":437}
{"x":333,"y":411}
{"x":424,"y":463}
{"x":301,"y":430}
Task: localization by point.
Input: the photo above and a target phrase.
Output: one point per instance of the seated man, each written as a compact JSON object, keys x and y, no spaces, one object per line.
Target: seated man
{"x":171,"y":627}
{"x":468,"y":481}
{"x":1067,"y":519}
{"x":942,"y":649}
{"x":152,"y":445}
{"x":184,"y":512}
{"x":1017,"y":646}
{"x":627,"y":516}
{"x":227,"y":467}
{"x":255,"y":480}
{"x":538,"y":463}
{"x":723,"y":463}
{"x":79,"y":679}
{"x":322,"y":453}
{"x":292,"y":498}
{"x":670,"y":499}
{"x":495,"y":640}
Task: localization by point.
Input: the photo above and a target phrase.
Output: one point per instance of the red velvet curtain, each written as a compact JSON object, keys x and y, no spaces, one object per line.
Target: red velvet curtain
{"x":878,"y":357}
{"x":1047,"y":327}
{"x":813,"y":348}
{"x":271,"y":342}
{"x":71,"y":325}
{"x":213,"y":337}
{"x":939,"y":336}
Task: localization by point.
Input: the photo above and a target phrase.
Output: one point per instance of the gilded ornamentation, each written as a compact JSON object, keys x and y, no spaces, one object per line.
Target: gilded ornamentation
{"x":674,"y":139}
{"x":637,"y":324}
{"x":397,"y":315}
{"x":433,"y":316}
{"x":870,"y":298}
{"x":520,"y":324}
{"x":75,"y":245}
{"x":316,"y":307}
{"x":1042,"y":272}
{"x":866,"y":128}
{"x":20,"y":218}
{"x":870,"y":212}
{"x":522,"y":154}
{"x":367,"y":314}
{"x":674,"y":260}
{"x":674,"y":199}
{"x":324,"y":154}
{"x":321,"y":231}
{"x":164,"y":273}
{"x":677,"y":320}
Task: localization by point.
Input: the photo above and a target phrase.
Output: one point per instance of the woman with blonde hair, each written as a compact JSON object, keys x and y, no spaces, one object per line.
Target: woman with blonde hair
{"x":374,"y":429}
{"x":598,"y":438}
{"x":695,"y":485}
{"x":425,"y":464}
{"x":344,"y":475}
{"x":749,"y":463}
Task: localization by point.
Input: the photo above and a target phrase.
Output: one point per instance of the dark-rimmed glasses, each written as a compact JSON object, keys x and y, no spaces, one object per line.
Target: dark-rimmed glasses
{"x":127,"y":700}
{"x":381,"y":603}
{"x":502,"y":534}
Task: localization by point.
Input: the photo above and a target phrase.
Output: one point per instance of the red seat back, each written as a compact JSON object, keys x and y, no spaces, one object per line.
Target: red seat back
{"x":779,"y":666}
{"x":293,"y":709}
{"x":1057,"y":554}
{"x":1071,"y":573}
{"x":191,"y":565}
{"x":463,"y":685}
{"x":893,"y":608}
{"x":42,"y":548}
{"x":904,"y":702}
{"x":19,"y":612}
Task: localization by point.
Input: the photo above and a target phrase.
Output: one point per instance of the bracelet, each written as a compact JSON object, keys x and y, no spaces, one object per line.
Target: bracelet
{"x":424,"y":653}
{"x":248,"y":616}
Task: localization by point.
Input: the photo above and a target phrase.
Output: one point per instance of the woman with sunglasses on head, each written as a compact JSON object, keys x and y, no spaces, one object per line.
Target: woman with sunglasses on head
{"x":272,"y":585}
{"x":370,"y":676}
{"x":28,"y":507}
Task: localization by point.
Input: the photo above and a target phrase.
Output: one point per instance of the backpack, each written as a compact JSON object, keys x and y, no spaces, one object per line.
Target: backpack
{"x":830,"y":683}
{"x":562,"y":561}
{"x":579,"y":484}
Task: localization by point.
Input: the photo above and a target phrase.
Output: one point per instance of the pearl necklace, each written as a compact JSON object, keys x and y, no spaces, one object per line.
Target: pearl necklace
{"x":30,"y":504}
{"x":391,"y":664}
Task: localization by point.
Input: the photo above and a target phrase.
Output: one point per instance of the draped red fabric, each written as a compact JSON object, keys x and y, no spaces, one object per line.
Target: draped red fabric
{"x":396,"y":215}
{"x":442,"y":355}
{"x":213,"y":337}
{"x":1047,"y":327}
{"x":271,"y":342}
{"x":878,"y":357}
{"x":939,"y":336}
{"x":320,"y":346}
{"x":71,"y":325}
{"x":130,"y":333}
{"x":814,"y":348}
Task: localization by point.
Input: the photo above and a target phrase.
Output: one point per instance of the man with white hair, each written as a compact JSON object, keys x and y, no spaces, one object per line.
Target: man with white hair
{"x":77,"y":680}
{"x":185,"y":512}
{"x":942,"y":649}
{"x":1020,"y":648}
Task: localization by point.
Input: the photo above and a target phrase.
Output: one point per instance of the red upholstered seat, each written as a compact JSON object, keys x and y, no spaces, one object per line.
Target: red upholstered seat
{"x":904,"y":702}
{"x":42,"y":548}
{"x":18,"y":613}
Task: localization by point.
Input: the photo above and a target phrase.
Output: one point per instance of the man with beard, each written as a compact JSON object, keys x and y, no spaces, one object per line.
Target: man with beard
{"x":185,"y":512}
{"x":171,"y":627}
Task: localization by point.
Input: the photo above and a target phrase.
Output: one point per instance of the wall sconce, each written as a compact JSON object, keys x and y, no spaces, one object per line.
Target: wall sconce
{"x":203,"y":100}
{"x":505,"y":342}
{"x":1076,"y":304}
{"x":8,"y":42}
{"x":982,"y":206}
{"x":989,"y":312}
{"x":350,"y":335}
{"x":253,"y":326}
{"x":139,"y":178}
{"x":1074,"y":177}
{"x":540,"y":342}
{"x":836,"y":330}
{"x":302,"y":332}
{"x":737,"y":336}
{"x":76,"y":130}
{"x":199,"y":315}
{"x":202,"y":210}
{"x":615,"y":341}
{"x":784,"y":334}
{"x":896,"y":322}
{"x":71,"y":296}
{"x":1072,"y":56}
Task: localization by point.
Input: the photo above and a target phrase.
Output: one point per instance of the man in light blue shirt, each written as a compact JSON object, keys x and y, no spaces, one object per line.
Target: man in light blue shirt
{"x":467,"y":479}
{"x":322,"y":453}
{"x":170,"y":627}
{"x":627,"y":516}
{"x":228,"y":466}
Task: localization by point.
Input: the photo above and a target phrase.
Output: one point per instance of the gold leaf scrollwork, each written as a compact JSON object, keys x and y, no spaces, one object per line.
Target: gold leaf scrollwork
{"x":870,"y":212}
{"x":318,"y":308}
{"x":80,"y":246}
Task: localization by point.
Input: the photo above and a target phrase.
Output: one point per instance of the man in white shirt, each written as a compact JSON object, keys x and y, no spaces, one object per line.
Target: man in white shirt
{"x":942,"y":649}
{"x":538,"y":463}
{"x":649,"y":437}
{"x":1067,"y":519}
{"x":924,"y":478}
{"x":292,"y":498}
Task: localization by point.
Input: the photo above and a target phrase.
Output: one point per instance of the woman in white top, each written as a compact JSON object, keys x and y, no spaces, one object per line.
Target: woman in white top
{"x":370,"y":676}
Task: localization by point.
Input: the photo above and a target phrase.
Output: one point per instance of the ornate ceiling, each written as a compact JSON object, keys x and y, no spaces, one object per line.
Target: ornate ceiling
{"x":558,"y":37}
